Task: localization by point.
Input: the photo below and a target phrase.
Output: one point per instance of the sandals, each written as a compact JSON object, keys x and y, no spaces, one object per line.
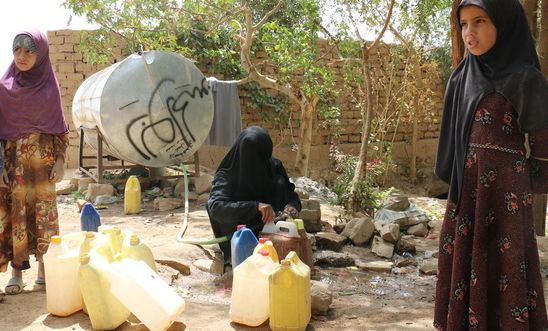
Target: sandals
{"x":15,"y":286}
{"x":40,"y":281}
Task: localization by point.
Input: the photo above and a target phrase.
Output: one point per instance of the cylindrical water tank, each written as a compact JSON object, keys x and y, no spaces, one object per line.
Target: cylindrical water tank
{"x":154,"y":109}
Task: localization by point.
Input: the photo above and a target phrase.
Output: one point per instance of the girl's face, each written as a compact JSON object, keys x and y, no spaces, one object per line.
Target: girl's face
{"x":478,"y":31}
{"x":24,"y":58}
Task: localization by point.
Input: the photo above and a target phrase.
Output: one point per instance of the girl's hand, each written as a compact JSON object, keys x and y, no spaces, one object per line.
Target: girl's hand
{"x":58,"y":171}
{"x":267,"y":212}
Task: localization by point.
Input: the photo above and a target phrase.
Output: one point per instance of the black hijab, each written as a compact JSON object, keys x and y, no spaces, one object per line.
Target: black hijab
{"x":249,"y":166}
{"x":511,"y":68}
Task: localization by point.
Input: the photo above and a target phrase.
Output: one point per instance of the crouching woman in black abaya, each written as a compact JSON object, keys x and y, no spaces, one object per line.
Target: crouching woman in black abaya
{"x":250,"y":187}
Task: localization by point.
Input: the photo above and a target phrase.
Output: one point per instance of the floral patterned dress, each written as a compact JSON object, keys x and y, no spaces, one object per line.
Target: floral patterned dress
{"x":28,"y":207}
{"x":488,"y":270}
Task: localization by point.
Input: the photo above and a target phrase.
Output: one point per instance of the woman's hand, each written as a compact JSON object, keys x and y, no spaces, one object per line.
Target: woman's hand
{"x":267,"y":212}
{"x":291,"y":211}
{"x":58,"y":171}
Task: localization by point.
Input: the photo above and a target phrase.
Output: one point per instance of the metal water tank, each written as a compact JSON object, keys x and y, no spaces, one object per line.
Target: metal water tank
{"x":154,"y":109}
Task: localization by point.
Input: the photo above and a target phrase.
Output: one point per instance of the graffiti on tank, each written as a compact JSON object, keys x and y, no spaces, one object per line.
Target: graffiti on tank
{"x":142,"y":130}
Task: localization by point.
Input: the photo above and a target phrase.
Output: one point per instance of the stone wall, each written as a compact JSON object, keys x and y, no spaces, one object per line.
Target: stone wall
{"x":72,"y":69}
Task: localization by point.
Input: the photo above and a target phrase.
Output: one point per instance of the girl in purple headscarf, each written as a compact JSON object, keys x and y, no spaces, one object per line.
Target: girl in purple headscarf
{"x":34,"y":133}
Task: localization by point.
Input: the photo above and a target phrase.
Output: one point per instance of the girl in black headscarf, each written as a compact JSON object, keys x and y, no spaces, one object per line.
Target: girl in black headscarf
{"x":250,"y":187}
{"x":493,"y":153}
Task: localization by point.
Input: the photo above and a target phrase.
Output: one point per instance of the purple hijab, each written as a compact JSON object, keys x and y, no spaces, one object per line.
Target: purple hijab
{"x":30,"y":101}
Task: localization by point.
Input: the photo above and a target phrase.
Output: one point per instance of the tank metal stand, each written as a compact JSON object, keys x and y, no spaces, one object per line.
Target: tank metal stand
{"x":96,"y":169}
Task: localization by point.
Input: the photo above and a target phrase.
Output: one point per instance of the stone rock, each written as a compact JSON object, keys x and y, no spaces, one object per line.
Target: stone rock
{"x":311,"y":219}
{"x":163,"y":204}
{"x":105,"y":200}
{"x":390,"y":233}
{"x":339,"y":227}
{"x":429,"y":267}
{"x":303,"y":194}
{"x":396,"y":202}
{"x":83,"y":184}
{"x":382,"y":248}
{"x":321,"y":297}
{"x":330,"y":241}
{"x":359,"y":230}
{"x":167,"y":191}
{"x":333,"y":259}
{"x":80,"y":204}
{"x":379,"y":225}
{"x":311,"y":204}
{"x":64,"y":188}
{"x":202,"y":198}
{"x":202,"y":184}
{"x":405,"y":245}
{"x":404,"y":270}
{"x":401,"y":262}
{"x":429,"y":254}
{"x":419,"y":230}
{"x":436,"y":187}
{"x":404,"y":219}
{"x":377,"y":266}
{"x":179,"y":192}
{"x":95,"y":190}
{"x":211,"y":266}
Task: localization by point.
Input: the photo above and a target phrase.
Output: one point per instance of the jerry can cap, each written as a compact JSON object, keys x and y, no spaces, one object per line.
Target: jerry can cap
{"x":84,"y":259}
{"x":55,"y":239}
{"x":262,"y":240}
{"x":134,"y":239}
{"x":285,"y":262}
{"x":239,"y":226}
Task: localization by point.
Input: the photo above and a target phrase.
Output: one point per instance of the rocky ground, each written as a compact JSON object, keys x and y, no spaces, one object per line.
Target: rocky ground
{"x":362,"y":299}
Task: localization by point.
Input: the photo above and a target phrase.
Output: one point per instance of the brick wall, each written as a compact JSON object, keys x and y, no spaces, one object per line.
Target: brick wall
{"x":72,"y":70}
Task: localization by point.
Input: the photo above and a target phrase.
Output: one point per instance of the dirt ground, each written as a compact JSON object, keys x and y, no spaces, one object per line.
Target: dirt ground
{"x":362,"y":300}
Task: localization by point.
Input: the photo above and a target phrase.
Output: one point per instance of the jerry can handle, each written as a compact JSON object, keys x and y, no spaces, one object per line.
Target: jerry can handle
{"x":287,"y":227}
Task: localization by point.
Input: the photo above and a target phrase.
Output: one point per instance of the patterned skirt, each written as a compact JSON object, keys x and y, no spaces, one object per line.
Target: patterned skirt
{"x":28,"y":208}
{"x":488,"y":270}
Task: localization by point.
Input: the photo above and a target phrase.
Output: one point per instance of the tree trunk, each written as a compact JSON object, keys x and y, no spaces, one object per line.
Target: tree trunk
{"x":457,"y":45}
{"x":416,"y":114}
{"x":530,"y":8}
{"x":367,"y":113}
{"x":308,"y":109}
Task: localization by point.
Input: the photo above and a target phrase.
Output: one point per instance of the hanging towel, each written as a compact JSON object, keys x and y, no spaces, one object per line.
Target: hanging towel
{"x":227,"y":116}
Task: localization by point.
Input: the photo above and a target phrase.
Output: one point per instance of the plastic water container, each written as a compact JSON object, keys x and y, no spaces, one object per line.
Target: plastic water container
{"x":266,"y":245}
{"x":132,"y":196}
{"x":136,"y":249}
{"x":74,"y":240}
{"x":61,"y":263}
{"x":249,"y":304}
{"x":96,"y":242}
{"x":105,"y":311}
{"x":305,"y":249}
{"x":242,"y":244}
{"x":145,"y":294}
{"x":290,"y":303}
{"x":114,"y":239}
{"x":90,"y":220}
{"x":285,"y":237}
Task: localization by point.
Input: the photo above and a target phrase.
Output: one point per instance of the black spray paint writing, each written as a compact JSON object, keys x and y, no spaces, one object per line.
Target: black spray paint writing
{"x":177,"y":100}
